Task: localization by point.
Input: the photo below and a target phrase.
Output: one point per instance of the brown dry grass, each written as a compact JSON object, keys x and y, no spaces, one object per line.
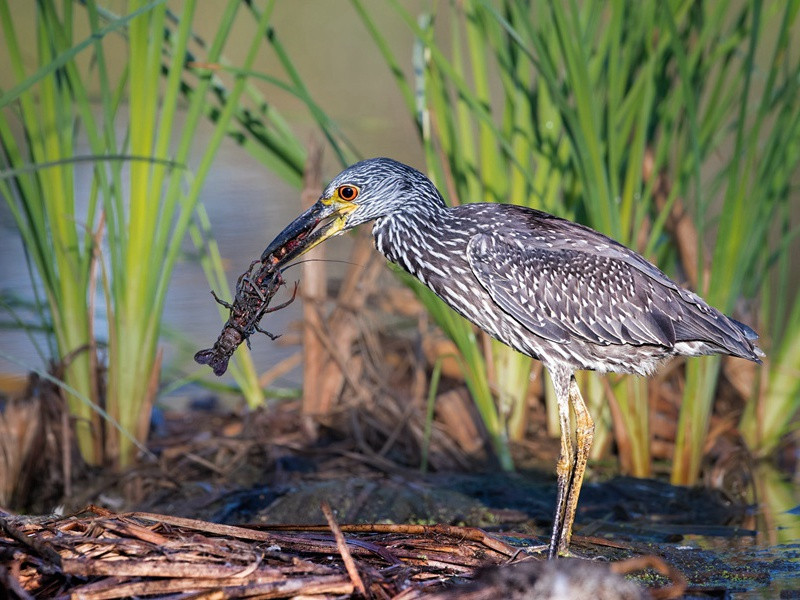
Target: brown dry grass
{"x":99,"y":555}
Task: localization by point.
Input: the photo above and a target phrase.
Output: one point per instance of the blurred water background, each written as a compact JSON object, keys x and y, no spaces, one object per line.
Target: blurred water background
{"x":247,"y":205}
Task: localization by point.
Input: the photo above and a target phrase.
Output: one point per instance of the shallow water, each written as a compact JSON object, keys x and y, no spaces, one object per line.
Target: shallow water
{"x":741,"y":553}
{"x":246,"y":204}
{"x":238,"y":186}
{"x":734,"y":551}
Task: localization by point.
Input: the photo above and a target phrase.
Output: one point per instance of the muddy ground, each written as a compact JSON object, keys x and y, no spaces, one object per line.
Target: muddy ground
{"x":256,"y":470}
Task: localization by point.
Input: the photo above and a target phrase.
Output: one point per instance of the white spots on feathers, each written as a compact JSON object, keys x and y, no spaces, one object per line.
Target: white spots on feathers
{"x":550,"y":288}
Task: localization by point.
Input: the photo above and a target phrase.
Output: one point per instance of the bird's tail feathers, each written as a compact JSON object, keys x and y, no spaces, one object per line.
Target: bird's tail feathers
{"x":720,"y":334}
{"x":750,"y":336}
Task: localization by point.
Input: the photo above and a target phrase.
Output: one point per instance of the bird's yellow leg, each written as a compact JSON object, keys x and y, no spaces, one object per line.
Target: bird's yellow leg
{"x":584,"y":433}
{"x":564,"y":469}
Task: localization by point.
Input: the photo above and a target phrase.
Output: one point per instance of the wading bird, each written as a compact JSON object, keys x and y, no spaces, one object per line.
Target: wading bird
{"x":552,"y":289}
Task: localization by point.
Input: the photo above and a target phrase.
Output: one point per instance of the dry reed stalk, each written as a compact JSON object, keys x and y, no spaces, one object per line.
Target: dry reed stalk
{"x":19,"y":429}
{"x":328,"y":339}
{"x":624,"y":446}
{"x":455,"y":411}
{"x":313,"y":294}
{"x":679,"y":224}
{"x":342,"y":326}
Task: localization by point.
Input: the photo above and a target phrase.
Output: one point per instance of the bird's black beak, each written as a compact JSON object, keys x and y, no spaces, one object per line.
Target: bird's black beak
{"x":326,"y":218}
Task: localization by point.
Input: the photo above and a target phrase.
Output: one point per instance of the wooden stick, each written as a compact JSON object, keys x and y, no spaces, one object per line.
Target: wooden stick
{"x":313,"y":294}
{"x":198,"y":525}
{"x":341,"y":543}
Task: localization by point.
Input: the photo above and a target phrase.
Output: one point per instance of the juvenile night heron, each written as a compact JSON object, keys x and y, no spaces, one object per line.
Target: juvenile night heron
{"x":552,"y":289}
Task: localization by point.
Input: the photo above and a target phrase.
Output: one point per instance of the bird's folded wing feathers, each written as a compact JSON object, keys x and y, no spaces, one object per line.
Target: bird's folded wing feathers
{"x":564,"y":293}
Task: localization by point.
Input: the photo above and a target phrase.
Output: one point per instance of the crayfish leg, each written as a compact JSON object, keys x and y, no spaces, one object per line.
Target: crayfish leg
{"x":285,"y":304}
{"x":222,"y":302}
{"x":271,"y":336}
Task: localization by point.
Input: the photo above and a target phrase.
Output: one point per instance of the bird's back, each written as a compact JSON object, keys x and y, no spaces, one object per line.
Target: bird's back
{"x":557,"y":290}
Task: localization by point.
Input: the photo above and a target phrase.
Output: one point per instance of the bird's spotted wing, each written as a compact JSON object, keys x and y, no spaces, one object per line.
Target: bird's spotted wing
{"x":565,"y":293}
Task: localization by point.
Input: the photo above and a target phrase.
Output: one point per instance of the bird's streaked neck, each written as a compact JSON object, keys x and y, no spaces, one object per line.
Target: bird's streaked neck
{"x":413,"y":210}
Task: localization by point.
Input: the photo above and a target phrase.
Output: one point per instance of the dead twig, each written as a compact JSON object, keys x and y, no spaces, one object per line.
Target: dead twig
{"x":38,"y":546}
{"x":97,"y":555}
{"x":243,"y":533}
{"x":341,"y":543}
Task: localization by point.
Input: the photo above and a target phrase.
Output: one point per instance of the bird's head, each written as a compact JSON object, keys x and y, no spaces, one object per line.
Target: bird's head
{"x":367,"y":190}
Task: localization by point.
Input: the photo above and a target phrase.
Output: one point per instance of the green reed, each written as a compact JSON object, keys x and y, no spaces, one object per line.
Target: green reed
{"x":117,"y":243}
{"x":578,"y":109}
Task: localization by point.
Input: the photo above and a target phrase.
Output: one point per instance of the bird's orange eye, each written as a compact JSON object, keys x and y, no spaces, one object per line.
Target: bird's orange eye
{"x":348,"y":192}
